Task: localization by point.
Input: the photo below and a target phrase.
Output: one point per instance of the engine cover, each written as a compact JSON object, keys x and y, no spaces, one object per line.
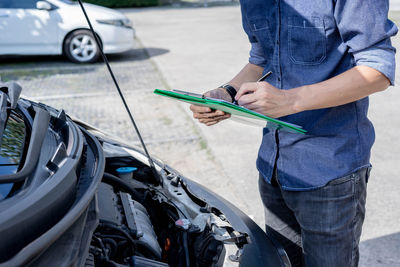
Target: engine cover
{"x":119,"y":209}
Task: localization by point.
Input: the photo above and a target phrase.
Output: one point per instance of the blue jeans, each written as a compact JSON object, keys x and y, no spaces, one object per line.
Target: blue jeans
{"x":320,"y":227}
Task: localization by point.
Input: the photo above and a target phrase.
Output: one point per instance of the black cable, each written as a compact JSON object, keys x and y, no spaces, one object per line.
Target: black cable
{"x":103,"y":224}
{"x":116,"y":181}
{"x":120,"y":94}
{"x":121,"y":184}
{"x":110,"y":236}
{"x":111,"y":245}
{"x":103,"y":248}
{"x":186,"y":247}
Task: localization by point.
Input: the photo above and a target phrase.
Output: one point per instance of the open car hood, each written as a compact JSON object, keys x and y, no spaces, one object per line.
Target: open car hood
{"x":73,"y":206}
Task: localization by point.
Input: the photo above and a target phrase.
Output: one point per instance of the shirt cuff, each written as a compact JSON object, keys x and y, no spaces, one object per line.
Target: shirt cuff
{"x":381,"y":59}
{"x":257,"y":55}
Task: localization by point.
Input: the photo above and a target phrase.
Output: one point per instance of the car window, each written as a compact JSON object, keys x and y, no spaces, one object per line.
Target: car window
{"x":12,"y":143}
{"x":11,"y":150}
{"x":29,"y":4}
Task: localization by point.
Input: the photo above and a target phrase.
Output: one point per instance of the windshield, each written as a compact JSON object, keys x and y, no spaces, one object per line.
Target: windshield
{"x":11,"y":150}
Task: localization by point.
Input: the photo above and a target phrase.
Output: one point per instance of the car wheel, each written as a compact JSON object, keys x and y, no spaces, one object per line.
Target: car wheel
{"x":80,"y":47}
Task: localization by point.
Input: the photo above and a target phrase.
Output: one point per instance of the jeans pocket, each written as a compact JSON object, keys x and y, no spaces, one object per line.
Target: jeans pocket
{"x":307,"y":40}
{"x":342,"y":180}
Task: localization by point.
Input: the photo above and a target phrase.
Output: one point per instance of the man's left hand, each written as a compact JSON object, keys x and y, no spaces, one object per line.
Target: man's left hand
{"x":266,"y":99}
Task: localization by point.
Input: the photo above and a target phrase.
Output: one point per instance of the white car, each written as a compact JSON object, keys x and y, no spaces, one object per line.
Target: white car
{"x":56,"y":27}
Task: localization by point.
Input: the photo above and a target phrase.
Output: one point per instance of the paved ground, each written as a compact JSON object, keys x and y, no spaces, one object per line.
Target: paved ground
{"x":197,"y":49}
{"x":86,"y":92}
{"x":394,"y":4}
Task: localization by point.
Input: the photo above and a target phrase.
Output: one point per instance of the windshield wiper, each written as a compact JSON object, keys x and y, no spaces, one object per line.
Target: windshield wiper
{"x":3,"y":114}
{"x":39,"y":130}
{"x":151,"y":162}
{"x":9,"y":95}
{"x":9,"y":92}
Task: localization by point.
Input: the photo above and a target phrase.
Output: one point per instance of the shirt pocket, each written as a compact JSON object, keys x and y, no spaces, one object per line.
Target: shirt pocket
{"x":260,"y":28}
{"x":307,"y":40}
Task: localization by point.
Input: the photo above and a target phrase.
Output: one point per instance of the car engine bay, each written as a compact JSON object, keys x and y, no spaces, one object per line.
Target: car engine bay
{"x":141,"y":224}
{"x":94,"y":202}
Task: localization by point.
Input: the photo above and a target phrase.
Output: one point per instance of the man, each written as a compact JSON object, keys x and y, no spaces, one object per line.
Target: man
{"x":326,"y":57}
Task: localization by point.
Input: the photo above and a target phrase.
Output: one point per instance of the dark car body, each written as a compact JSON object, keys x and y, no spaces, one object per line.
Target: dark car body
{"x":65,"y":203}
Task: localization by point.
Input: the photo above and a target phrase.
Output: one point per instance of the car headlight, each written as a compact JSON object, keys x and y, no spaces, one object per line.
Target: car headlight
{"x":127,"y":23}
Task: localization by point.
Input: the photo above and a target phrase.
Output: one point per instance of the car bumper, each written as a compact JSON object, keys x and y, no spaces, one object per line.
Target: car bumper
{"x":119,"y":40}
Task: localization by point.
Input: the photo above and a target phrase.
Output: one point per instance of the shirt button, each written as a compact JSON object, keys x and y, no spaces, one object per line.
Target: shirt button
{"x":279,"y":79}
{"x":277,"y":42}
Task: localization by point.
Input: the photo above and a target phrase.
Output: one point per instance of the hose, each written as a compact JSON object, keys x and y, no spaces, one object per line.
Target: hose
{"x":121,"y":184}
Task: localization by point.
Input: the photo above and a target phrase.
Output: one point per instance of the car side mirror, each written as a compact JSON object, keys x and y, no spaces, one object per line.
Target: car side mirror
{"x":43,"y":5}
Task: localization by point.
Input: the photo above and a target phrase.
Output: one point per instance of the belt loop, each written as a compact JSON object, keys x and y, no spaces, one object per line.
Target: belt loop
{"x":368,"y":172}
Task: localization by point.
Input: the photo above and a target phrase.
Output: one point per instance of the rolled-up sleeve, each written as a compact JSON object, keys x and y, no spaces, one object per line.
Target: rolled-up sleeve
{"x":257,"y":55}
{"x":365,"y":28}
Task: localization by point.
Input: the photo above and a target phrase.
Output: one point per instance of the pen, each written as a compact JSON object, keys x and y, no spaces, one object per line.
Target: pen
{"x":188,"y":93}
{"x":265,"y":76}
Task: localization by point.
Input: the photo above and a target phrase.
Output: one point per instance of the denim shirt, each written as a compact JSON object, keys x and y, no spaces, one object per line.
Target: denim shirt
{"x":305,"y":42}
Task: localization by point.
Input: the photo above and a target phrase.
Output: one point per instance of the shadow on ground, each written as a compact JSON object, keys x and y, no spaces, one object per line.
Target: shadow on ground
{"x":381,"y":251}
{"x":138,"y":54}
{"x":9,"y":62}
{"x":29,"y":67}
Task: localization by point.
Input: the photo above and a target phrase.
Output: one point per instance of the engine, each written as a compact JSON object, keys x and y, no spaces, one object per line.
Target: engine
{"x":124,"y":230}
{"x":141,"y":225}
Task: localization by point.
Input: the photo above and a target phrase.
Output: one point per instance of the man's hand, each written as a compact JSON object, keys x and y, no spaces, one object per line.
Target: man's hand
{"x":208,"y":116}
{"x":266,"y":99}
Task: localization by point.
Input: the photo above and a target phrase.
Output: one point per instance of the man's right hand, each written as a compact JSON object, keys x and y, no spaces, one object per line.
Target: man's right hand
{"x":207,"y":115}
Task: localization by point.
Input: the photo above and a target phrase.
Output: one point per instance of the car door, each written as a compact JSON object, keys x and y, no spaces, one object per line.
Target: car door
{"x":26,"y":30}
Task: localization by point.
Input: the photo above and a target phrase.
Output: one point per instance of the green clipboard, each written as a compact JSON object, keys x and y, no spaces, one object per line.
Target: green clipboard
{"x":229,"y":108}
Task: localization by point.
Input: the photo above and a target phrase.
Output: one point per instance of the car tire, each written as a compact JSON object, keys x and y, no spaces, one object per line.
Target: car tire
{"x":80,"y":47}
